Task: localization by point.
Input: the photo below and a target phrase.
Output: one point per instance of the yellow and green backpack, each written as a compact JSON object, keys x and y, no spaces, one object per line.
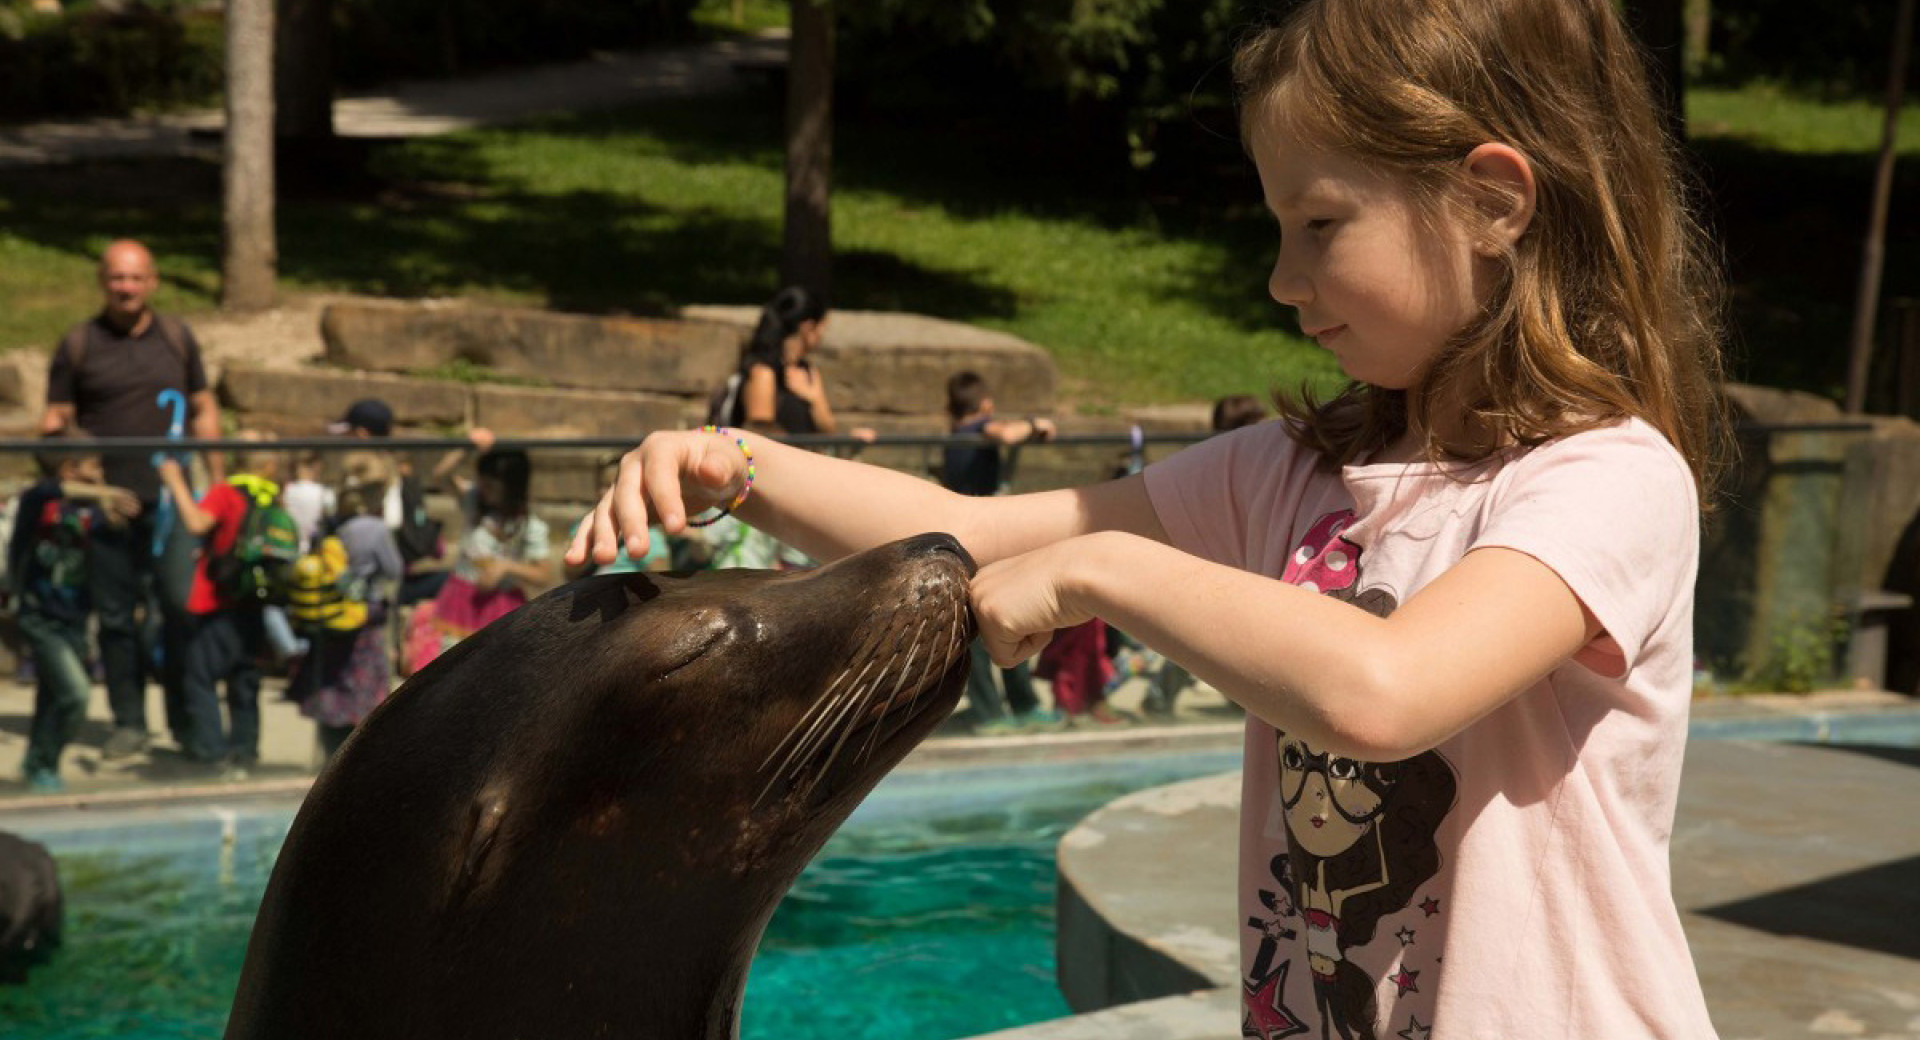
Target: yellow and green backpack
{"x":323,"y":596}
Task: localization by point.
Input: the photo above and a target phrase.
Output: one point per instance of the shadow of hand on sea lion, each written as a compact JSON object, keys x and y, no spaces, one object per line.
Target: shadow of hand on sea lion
{"x":577,"y":822}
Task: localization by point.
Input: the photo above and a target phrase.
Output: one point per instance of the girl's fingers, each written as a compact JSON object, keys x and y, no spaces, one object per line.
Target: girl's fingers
{"x":582,"y":537}
{"x":627,"y":507}
{"x":661,"y":483}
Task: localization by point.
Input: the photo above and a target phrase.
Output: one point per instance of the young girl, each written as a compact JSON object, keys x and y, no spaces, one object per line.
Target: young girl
{"x":1456,"y":600}
{"x":503,"y":552}
{"x":346,"y":675}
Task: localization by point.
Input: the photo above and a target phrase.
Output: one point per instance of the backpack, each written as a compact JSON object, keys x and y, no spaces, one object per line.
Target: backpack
{"x":253,"y":570}
{"x":324,"y":596}
{"x":172,"y":332}
{"x":721,"y":402}
{"x":418,"y":536}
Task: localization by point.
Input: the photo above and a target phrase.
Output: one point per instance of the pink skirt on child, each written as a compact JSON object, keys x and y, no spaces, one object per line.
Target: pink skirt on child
{"x":460,"y":610}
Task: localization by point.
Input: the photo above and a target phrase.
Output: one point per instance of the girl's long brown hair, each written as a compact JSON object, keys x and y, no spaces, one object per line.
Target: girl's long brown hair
{"x":1610,"y":304}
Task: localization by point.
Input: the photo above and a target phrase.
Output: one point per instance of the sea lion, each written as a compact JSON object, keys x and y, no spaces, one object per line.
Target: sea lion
{"x":31,"y":907}
{"x":577,"y":822}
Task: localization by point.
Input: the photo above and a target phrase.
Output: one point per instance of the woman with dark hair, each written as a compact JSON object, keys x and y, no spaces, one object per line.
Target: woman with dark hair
{"x":777,"y":388}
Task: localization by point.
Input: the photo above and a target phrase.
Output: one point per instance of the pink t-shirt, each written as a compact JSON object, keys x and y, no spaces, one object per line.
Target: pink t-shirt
{"x":1512,"y":882}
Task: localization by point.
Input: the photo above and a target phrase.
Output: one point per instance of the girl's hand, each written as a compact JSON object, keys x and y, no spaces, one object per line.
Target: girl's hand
{"x":1019,"y":602}
{"x":670,"y":476}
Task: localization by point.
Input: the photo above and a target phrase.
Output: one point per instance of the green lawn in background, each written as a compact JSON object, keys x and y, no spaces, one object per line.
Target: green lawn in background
{"x":1141,"y":297}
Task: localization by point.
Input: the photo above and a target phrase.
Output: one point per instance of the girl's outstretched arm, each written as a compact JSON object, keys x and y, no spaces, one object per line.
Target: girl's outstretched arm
{"x":1375,"y":689}
{"x":829,"y":507}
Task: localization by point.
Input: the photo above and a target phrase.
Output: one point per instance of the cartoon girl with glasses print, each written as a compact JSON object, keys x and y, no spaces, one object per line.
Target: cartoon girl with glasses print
{"x":1361,"y":838}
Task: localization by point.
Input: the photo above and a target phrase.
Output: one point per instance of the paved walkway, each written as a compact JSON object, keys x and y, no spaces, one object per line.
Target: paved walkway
{"x":422,"y":108}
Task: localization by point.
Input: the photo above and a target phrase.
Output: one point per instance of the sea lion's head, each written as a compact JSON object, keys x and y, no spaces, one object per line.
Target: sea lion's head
{"x":584,"y":814}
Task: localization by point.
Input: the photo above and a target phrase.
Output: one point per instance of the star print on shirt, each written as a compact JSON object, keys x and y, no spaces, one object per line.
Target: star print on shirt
{"x":1405,"y":980}
{"x":1414,"y":1030}
{"x":1267,"y":1018}
{"x":1430,"y":906}
{"x":1405,"y":935}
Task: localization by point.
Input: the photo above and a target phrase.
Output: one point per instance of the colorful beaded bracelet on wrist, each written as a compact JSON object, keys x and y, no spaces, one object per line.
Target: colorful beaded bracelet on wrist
{"x":745,"y":489}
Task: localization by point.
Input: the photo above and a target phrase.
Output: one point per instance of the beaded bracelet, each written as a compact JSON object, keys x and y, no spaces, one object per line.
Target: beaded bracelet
{"x":745,"y":489}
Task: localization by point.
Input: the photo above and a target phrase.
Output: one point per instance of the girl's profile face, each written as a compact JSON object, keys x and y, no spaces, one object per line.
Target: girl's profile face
{"x":1374,"y":283}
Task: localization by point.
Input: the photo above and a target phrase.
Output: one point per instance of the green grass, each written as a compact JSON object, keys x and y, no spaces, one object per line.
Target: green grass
{"x":741,"y":15}
{"x":1775,"y":118}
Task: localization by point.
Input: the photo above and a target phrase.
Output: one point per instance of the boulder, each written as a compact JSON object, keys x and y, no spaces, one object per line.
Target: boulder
{"x":323,"y":394}
{"x":581,"y":413}
{"x":563,"y":350}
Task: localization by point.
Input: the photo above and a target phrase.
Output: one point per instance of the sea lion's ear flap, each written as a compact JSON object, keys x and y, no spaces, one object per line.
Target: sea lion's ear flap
{"x":484,"y":820}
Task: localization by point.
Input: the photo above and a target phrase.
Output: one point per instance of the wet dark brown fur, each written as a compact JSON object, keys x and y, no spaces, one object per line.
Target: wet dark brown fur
{"x":577,"y":823}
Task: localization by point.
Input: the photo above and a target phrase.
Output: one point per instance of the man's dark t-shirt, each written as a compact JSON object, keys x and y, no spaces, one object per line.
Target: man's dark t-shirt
{"x":115,"y":391}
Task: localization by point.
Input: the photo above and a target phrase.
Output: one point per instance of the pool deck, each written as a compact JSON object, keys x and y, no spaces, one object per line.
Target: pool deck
{"x":1797,"y":867}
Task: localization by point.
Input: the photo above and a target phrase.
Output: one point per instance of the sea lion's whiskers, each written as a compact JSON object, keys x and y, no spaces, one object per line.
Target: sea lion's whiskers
{"x":856,"y":700}
{"x":905,"y":666}
{"x":818,"y":710}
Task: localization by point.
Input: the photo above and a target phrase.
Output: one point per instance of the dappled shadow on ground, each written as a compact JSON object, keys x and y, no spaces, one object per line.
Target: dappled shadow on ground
{"x":441,"y":222}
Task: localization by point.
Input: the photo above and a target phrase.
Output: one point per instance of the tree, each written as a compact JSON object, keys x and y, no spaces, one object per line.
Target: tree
{"x":1866,"y":306}
{"x":1662,"y":28}
{"x":303,"y":70}
{"x":248,"y":250}
{"x":806,"y":255}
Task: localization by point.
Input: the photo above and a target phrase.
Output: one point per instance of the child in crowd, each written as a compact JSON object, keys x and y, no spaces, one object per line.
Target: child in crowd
{"x":228,"y":635}
{"x":348,"y":673}
{"x":306,"y":497}
{"x":47,"y":567}
{"x":502,"y":554}
{"x":974,"y":469}
{"x":1456,"y":599}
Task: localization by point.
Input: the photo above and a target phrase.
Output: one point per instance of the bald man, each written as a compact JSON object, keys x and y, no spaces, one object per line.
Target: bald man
{"x":106,"y":378}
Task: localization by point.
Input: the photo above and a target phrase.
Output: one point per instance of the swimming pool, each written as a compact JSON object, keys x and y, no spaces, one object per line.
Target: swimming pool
{"x":929,"y":915}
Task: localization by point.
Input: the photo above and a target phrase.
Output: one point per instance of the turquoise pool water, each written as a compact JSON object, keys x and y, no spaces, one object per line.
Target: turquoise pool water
{"x":929,"y":915}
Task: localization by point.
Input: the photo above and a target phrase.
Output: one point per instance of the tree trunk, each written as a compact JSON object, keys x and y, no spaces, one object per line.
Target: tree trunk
{"x":248,"y":252}
{"x":806,"y":255}
{"x":1866,"y":304}
{"x":1699,"y":48}
{"x":1661,"y":25}
{"x":303,"y":70}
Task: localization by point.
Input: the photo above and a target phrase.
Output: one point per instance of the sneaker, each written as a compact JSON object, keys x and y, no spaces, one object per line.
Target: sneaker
{"x":1038,"y":721}
{"x":45,"y":781}
{"x":1101,"y":716}
{"x":1002,"y":727}
{"x":238,"y":767}
{"x":124,"y":743}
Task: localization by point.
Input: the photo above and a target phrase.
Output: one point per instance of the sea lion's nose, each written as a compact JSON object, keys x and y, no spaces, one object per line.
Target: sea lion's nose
{"x":937,"y":542}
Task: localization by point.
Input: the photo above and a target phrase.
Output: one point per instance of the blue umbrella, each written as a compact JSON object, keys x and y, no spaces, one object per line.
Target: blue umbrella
{"x":163,"y":518}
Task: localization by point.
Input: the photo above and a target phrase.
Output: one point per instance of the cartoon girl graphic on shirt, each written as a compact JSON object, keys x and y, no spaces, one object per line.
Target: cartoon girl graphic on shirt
{"x":1361,"y":841}
{"x":1360,"y":835}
